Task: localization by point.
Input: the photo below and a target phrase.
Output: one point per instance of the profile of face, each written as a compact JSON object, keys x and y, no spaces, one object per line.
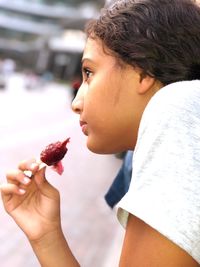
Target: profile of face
{"x":110,"y":101}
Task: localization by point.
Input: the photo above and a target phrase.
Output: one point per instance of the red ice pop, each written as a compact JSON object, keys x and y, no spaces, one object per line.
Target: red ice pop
{"x":53,"y":154}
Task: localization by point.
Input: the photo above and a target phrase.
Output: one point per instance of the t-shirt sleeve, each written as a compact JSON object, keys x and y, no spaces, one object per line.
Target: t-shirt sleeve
{"x":165,"y":185}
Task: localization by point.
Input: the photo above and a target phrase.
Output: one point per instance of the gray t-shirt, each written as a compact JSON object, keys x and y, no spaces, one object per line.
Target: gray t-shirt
{"x":165,"y":186}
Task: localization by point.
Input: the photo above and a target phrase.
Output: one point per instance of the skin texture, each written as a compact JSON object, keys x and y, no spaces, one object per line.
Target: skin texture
{"x":145,"y":247}
{"x":110,"y":100}
{"x":110,"y":104}
{"x":116,"y":97}
{"x":34,"y":204}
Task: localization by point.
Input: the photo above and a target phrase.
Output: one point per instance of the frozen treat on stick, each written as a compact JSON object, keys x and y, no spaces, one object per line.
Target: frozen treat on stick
{"x":53,"y":154}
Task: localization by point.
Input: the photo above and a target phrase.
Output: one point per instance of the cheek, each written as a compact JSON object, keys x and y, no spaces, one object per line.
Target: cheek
{"x":110,"y":134}
{"x":104,"y":88}
{"x":105,"y":109}
{"x":97,"y":103}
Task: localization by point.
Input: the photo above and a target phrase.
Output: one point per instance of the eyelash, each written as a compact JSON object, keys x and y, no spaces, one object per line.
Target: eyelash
{"x":86,"y":73}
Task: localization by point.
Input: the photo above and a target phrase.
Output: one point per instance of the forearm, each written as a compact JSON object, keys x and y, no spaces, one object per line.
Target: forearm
{"x":53,"y":250}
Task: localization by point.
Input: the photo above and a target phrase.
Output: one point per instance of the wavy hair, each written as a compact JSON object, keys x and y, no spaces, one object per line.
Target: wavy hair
{"x":161,"y":37}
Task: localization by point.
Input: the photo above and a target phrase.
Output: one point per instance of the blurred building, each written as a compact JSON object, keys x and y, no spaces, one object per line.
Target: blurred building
{"x":45,"y":36}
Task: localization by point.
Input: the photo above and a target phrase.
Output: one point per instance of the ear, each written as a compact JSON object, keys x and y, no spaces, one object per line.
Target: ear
{"x":146,"y":83}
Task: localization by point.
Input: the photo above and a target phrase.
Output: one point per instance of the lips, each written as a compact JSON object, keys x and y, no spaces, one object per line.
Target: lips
{"x":84,"y":127}
{"x":82,"y":123}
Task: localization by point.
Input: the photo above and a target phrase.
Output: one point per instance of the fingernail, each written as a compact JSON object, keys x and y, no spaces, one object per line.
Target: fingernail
{"x":33,"y":166}
{"x":28,"y":174}
{"x":22,"y":191}
{"x":25,"y":180}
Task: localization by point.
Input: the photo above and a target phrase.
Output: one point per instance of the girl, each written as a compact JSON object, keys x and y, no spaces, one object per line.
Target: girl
{"x":141,"y":92}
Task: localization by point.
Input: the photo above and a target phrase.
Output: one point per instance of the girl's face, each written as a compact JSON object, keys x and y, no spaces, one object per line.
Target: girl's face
{"x":110,"y":102}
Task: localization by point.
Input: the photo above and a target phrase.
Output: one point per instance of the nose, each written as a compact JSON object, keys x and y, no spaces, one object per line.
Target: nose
{"x":77,"y":103}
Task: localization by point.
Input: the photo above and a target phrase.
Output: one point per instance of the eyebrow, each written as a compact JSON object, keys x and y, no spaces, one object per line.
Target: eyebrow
{"x":86,"y":59}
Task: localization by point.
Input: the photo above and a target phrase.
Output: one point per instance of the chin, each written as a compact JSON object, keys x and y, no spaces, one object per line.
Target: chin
{"x":98,"y":148}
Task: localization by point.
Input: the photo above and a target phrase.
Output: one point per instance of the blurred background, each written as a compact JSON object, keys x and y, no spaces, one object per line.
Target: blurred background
{"x":41,"y":44}
{"x":44,"y":36}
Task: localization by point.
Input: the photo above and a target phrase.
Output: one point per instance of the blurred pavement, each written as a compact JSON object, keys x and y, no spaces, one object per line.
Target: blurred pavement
{"x":30,"y":119}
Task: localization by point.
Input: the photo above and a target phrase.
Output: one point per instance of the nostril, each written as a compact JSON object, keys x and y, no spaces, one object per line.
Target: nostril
{"x":77,"y":106}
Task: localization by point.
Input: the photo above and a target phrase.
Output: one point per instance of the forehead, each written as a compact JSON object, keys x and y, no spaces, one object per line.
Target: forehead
{"x":96,"y":51}
{"x":92,"y":46}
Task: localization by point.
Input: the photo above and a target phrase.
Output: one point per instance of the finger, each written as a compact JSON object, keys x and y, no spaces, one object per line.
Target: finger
{"x":10,"y":189}
{"x":44,"y":186}
{"x":17,"y":177}
{"x":31,"y":164}
{"x":40,"y":178}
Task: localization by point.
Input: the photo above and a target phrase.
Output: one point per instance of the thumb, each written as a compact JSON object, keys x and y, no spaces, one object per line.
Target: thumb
{"x":43,"y":185}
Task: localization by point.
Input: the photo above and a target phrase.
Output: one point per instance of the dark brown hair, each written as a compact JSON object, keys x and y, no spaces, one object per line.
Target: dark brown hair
{"x":162,"y":37}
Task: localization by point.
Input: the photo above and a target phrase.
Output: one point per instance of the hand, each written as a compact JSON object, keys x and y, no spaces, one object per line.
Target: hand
{"x":33,"y":203}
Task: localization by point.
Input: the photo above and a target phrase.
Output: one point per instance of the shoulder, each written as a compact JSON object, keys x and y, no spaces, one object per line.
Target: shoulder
{"x":174,"y":106}
{"x":165,"y":186}
{"x":180,"y":94}
{"x":179,"y":89}
{"x":144,"y":246}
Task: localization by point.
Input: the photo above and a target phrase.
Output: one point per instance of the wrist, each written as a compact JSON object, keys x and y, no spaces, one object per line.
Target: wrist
{"x":47,"y":239}
{"x":52,"y":250}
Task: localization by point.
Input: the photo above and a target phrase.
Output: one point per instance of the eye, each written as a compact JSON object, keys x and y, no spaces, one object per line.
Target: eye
{"x":86,"y":73}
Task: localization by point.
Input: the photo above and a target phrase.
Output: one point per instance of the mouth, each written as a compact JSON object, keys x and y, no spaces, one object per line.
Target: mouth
{"x":82,"y":123}
{"x":84,"y":127}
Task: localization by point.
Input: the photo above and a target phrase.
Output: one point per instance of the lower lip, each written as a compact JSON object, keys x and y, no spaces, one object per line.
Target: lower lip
{"x":84,"y":129}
